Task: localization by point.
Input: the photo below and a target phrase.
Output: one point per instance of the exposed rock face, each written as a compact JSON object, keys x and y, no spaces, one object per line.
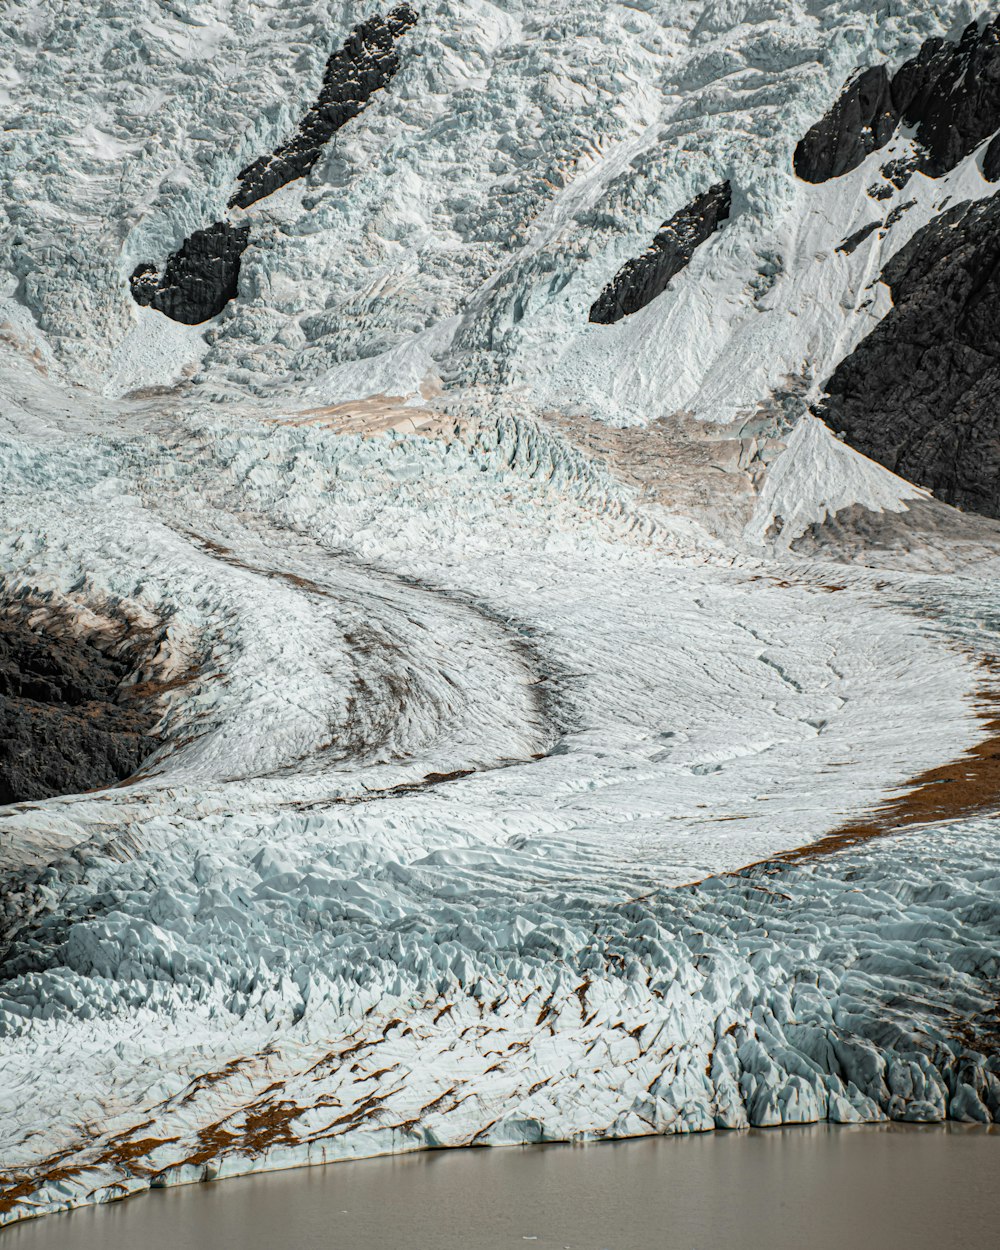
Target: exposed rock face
{"x":860,"y":122}
{"x":365,"y":64}
{"x":949,"y":92}
{"x":199,"y":279}
{"x":854,"y":241}
{"x":70,"y":719}
{"x":202,"y":276}
{"x":921,"y":394}
{"x":991,"y":160}
{"x":645,"y":277}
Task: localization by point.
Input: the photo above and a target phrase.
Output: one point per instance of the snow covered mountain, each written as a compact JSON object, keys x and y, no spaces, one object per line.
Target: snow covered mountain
{"x":498,"y":606}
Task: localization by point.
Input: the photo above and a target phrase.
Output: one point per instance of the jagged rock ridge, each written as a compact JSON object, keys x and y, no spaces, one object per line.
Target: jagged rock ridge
{"x":643,"y":278}
{"x":921,"y":394}
{"x":199,"y":279}
{"x":365,"y":64}
{"x":949,"y":92}
{"x":861,"y":121}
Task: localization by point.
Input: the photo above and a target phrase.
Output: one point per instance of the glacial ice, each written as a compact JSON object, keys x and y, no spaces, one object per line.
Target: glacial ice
{"x":514,"y":688}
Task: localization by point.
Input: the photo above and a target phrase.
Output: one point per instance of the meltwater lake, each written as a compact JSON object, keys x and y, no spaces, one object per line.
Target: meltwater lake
{"x":824,"y":1187}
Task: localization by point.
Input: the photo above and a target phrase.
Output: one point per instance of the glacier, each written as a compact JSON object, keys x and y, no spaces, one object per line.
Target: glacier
{"x":562,"y":732}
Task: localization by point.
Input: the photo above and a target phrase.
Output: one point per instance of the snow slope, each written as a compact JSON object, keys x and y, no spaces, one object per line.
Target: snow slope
{"x":506,"y":662}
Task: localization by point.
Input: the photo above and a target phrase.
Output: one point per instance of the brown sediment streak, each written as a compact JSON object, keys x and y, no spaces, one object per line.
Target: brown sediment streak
{"x":260,"y":1120}
{"x":122,"y":1150}
{"x":968,"y":786}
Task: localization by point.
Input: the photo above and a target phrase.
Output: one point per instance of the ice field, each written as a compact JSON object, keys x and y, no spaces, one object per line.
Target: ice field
{"x":560,"y":733}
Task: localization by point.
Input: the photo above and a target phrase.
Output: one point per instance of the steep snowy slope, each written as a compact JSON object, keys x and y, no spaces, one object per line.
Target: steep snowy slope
{"x":419,"y":438}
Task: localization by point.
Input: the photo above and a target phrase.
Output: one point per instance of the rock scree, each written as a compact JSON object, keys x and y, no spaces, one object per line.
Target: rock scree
{"x":642,"y":279}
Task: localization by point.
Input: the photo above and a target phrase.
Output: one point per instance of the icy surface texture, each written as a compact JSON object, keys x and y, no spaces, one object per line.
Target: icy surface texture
{"x":482,"y":632}
{"x":469,"y":217}
{"x":487,"y":1014}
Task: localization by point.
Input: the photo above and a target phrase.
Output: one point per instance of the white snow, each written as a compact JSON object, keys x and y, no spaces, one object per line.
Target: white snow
{"x":156,"y":352}
{"x":816,"y":477}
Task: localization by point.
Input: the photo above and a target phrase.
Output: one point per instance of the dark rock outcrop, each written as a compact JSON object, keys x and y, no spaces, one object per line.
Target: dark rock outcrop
{"x":897,"y":172}
{"x":71,"y":717}
{"x":202,"y":276}
{"x":854,"y":241}
{"x":991,"y":160}
{"x":641,"y":280}
{"x":364,"y":65}
{"x":199,"y":279}
{"x":897,"y":212}
{"x":862,"y":121}
{"x":949,"y":92}
{"x":921,"y":394}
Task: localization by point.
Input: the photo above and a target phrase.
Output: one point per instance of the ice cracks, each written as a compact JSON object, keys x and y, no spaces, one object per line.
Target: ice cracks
{"x":780,"y":995}
{"x":391,"y":680}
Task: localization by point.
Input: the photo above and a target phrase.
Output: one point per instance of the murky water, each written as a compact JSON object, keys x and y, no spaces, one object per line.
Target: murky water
{"x":884,"y":1188}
